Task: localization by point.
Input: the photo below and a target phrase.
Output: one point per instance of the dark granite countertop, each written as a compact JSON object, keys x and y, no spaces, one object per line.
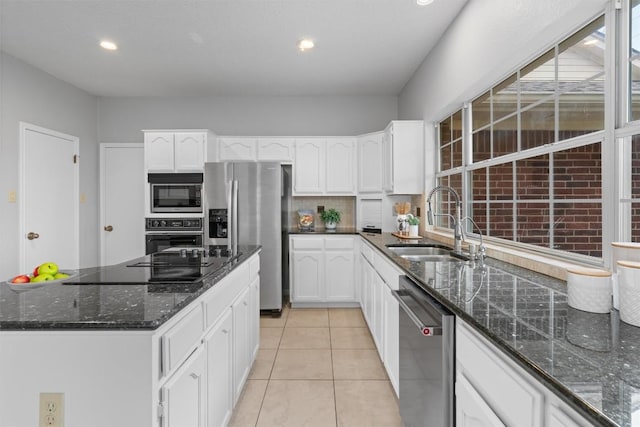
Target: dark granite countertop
{"x":57,"y":306}
{"x":591,"y":361}
{"x":322,"y":230}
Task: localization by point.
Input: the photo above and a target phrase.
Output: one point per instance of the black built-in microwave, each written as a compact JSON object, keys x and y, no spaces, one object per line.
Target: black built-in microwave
{"x":175,"y":192}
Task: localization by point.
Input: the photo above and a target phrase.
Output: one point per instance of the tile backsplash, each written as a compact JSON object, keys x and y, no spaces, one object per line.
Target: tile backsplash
{"x":345,"y":205}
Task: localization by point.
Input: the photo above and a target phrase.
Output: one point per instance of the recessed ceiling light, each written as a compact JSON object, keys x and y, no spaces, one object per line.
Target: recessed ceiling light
{"x":108,"y":45}
{"x":424,"y":2}
{"x":305,"y":44}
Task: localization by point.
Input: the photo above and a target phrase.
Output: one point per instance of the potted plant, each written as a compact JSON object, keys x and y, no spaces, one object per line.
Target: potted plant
{"x":414,"y":222}
{"x":330,"y":217}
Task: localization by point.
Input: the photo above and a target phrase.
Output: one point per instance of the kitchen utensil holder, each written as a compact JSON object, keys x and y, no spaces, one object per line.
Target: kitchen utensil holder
{"x":629,"y":284}
{"x":589,"y":289}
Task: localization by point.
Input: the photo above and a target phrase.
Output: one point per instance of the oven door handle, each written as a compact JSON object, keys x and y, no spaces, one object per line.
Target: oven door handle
{"x":425,"y":330}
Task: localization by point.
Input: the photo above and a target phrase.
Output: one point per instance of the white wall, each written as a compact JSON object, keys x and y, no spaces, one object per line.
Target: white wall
{"x":121,"y":119}
{"x":488,"y":40}
{"x":30,"y":95}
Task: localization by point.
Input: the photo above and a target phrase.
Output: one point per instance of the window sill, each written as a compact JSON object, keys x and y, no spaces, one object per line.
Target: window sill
{"x":522,"y":258}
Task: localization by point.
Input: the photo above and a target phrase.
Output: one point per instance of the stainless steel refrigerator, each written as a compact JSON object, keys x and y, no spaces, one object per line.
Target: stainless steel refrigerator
{"x":252,"y":195}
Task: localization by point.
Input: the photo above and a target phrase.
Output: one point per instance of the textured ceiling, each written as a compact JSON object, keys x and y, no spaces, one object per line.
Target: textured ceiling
{"x":226,"y":47}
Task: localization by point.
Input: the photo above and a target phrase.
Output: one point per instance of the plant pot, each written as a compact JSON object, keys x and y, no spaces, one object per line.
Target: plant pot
{"x":413,"y":230}
{"x":330,"y":225}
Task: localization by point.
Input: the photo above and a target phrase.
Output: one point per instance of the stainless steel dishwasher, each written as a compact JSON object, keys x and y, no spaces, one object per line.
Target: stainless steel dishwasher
{"x":427,"y":358}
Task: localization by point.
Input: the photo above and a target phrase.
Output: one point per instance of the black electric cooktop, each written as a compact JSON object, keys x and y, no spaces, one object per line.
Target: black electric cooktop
{"x":178,"y":264}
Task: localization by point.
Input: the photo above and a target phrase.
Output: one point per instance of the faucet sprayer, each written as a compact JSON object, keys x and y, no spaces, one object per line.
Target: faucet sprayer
{"x":457,"y":223}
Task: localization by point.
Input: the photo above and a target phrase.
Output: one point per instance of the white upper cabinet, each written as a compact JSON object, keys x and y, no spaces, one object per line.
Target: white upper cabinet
{"x":234,"y":149}
{"x":341,"y":166}
{"x":308,"y":166}
{"x":276,"y":149}
{"x":370,"y":163}
{"x":175,"y":151}
{"x":324,"y":166}
{"x":403,"y":157}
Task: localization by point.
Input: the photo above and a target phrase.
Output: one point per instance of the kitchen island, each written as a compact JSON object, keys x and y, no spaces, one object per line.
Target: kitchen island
{"x":130,"y":354}
{"x":559,"y":359}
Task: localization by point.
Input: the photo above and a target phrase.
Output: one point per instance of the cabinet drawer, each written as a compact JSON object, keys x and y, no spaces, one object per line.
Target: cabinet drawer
{"x":366,"y":251}
{"x":386,"y":270}
{"x":254,"y":266}
{"x":506,"y":390}
{"x":181,"y":339}
{"x":307,"y":243}
{"x":338,"y":243}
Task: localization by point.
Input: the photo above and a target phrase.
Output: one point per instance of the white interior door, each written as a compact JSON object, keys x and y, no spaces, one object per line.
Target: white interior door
{"x":122,"y":183}
{"x":49,"y":202}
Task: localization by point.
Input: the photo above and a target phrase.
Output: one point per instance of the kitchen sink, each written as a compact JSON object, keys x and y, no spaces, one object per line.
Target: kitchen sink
{"x":427,"y":253}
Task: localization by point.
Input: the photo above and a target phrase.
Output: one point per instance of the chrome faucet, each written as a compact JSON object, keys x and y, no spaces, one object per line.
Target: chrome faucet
{"x":481,"y":250}
{"x":457,"y":223}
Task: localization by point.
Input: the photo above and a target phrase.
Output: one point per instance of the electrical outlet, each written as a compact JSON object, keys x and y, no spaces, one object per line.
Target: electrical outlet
{"x":12,"y":196}
{"x":320,"y":209}
{"x":51,"y":410}
{"x":83,"y":198}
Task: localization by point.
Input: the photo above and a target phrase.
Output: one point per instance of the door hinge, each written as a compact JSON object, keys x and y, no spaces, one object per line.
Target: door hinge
{"x":76,"y":158}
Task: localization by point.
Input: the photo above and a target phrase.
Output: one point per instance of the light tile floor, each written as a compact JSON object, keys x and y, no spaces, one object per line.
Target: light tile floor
{"x":316,"y":368}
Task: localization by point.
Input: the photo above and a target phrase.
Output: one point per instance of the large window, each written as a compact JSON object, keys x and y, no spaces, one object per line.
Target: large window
{"x":535,"y":172}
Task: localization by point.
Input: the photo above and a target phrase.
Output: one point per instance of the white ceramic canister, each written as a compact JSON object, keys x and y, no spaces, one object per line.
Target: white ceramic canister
{"x":629,"y":284}
{"x":621,"y":251}
{"x":589,"y":289}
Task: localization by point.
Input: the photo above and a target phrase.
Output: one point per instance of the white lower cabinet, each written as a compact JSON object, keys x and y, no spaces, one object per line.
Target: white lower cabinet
{"x":219,"y":346}
{"x":378,"y":277}
{"x":491,"y":390}
{"x":323,"y":270}
{"x":184,"y":393}
{"x":242,"y":341}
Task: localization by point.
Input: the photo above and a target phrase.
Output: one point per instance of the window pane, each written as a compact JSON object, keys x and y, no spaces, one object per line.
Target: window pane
{"x":577,"y":228}
{"x":479,"y":184}
{"x":634,"y":60}
{"x":532,"y":178}
{"x":538,"y":125}
{"x":501,"y":182}
{"x":581,"y":111}
{"x":443,"y":202}
{"x":501,"y":220}
{"x":505,"y":137}
{"x":456,"y":125}
{"x":635,"y":222}
{"x":481,"y":110}
{"x":538,"y":79}
{"x":533,"y":223}
{"x":445,"y":131}
{"x":481,"y":145}
{"x":577,"y":173}
{"x":479,"y":215}
{"x":635,"y":168}
{"x":505,"y":98}
{"x":581,"y":56}
{"x":445,"y":157}
{"x":457,"y":153}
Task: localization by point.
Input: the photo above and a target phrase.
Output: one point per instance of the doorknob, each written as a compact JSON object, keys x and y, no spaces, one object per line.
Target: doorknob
{"x":31,"y":235}
{"x":108,"y":228}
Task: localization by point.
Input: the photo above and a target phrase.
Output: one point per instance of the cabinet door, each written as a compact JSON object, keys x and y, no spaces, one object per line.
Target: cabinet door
{"x":183,"y":395}
{"x":557,"y":418}
{"x":307,"y":276}
{"x":219,"y":344}
{"x":341,"y":166}
{"x":471,"y":409}
{"x":308,"y":167}
{"x":275,"y":149}
{"x":231,"y":149}
{"x":365,"y":289}
{"x":340,"y":276}
{"x":387,"y":159}
{"x":158,"y":151}
{"x":377,"y":305}
{"x":391,"y":340}
{"x":254,"y":317}
{"x":189,"y":151}
{"x":370,"y":163}
{"x":242,"y":326}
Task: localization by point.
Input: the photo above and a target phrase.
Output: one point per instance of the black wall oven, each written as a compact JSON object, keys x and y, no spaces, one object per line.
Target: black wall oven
{"x":175,"y":192}
{"x":164,"y":233}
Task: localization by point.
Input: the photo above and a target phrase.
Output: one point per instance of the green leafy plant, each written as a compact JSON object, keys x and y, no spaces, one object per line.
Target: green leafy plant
{"x":413,"y":220}
{"x":330,"y":215}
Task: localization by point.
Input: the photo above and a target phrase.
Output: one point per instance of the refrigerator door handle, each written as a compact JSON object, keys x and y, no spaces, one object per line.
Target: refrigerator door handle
{"x":234,"y":217}
{"x":229,"y":188}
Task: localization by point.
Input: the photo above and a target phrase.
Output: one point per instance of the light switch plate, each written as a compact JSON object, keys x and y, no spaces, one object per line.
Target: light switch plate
{"x":12,"y":196}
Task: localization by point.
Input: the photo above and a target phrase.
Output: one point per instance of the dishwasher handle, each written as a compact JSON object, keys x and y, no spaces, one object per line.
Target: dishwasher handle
{"x":425,"y":330}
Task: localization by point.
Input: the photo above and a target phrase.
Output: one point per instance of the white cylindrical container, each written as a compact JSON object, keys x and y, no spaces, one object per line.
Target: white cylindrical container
{"x":621,"y":251}
{"x":629,"y":284}
{"x":589,"y":289}
{"x":413,"y":230}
